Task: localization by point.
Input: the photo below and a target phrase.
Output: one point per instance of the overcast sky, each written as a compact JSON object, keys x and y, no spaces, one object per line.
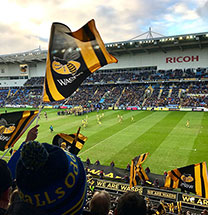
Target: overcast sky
{"x":25,"y":24}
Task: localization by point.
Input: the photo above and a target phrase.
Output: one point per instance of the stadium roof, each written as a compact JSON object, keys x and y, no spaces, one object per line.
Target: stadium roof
{"x":164,"y":44}
{"x":148,"y":45}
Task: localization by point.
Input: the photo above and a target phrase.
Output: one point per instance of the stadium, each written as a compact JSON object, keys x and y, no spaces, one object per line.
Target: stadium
{"x":154,"y":100}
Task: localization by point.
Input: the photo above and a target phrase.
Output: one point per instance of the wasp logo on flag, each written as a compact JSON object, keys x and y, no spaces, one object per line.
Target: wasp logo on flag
{"x":9,"y":130}
{"x":187,"y":178}
{"x":70,"y":67}
{"x":192,"y":178}
{"x":5,"y":128}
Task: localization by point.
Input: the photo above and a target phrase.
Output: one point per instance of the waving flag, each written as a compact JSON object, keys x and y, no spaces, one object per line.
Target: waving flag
{"x":72,"y":57}
{"x":136,"y":169}
{"x":13,"y":125}
{"x":74,"y":142}
{"x":192,"y":178}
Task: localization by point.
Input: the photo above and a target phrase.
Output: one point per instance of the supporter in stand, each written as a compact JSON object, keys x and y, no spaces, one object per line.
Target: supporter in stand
{"x":88,"y":161}
{"x":101,"y":174}
{"x":23,"y":208}
{"x":156,"y":183}
{"x":100,"y":203}
{"x":97,"y":162}
{"x":204,"y":212}
{"x":46,"y":171}
{"x":5,"y":186}
{"x":112,"y":164}
{"x":122,"y":89}
{"x":131,"y":203}
{"x":165,"y":173}
{"x":128,"y":167}
{"x":147,"y":170}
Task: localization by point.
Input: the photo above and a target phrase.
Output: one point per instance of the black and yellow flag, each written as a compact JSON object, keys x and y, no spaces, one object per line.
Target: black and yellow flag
{"x":136,"y":169}
{"x":13,"y":125}
{"x":72,"y":57}
{"x":74,"y":142}
{"x":192,"y":178}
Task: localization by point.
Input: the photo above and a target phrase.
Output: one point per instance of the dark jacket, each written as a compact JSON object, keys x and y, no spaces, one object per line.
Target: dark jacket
{"x":23,"y":208}
{"x":2,"y":211}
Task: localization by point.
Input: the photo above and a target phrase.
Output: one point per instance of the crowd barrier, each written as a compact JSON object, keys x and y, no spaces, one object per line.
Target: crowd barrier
{"x":113,"y":181}
{"x":188,"y":202}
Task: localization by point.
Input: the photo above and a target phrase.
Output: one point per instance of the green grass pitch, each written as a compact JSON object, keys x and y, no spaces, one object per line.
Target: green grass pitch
{"x":163,"y":134}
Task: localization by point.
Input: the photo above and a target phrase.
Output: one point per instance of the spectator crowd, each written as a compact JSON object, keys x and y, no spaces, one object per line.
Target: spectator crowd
{"x":154,"y":88}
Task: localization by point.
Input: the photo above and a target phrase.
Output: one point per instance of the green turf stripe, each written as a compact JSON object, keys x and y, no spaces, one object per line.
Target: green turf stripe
{"x":128,"y":134}
{"x":65,"y":124}
{"x":110,"y":127}
{"x":70,"y":123}
{"x":201,"y":143}
{"x":175,"y":149}
{"x":116,"y":141}
{"x":108,"y":120}
{"x":153,"y":137}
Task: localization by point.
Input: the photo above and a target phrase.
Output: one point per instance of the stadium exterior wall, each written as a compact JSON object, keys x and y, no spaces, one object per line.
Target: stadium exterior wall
{"x":39,"y":70}
{"x":192,"y":58}
{"x":176,"y":59}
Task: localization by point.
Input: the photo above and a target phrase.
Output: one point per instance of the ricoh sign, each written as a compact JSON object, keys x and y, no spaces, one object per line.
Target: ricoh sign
{"x":182,"y":59}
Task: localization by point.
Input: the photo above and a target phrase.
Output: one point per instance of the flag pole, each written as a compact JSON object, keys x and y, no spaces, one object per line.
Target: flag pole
{"x":5,"y":152}
{"x":41,"y":102}
{"x":76,"y":138}
{"x":66,"y":100}
{"x":40,"y":106}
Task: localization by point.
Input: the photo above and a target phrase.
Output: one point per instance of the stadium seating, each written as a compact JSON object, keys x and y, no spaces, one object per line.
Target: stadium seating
{"x":184,"y":88}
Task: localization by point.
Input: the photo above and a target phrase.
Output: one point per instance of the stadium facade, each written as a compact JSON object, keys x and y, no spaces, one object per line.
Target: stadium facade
{"x":162,"y":53}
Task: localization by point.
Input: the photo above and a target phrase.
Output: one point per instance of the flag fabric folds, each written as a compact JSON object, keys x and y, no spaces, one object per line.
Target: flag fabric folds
{"x":74,"y":142}
{"x":136,"y":169}
{"x":13,"y":125}
{"x":169,"y":182}
{"x":192,"y":178}
{"x":71,"y":58}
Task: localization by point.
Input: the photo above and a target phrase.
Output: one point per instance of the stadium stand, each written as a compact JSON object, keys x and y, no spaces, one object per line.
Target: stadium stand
{"x":126,"y":87}
{"x":180,"y":88}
